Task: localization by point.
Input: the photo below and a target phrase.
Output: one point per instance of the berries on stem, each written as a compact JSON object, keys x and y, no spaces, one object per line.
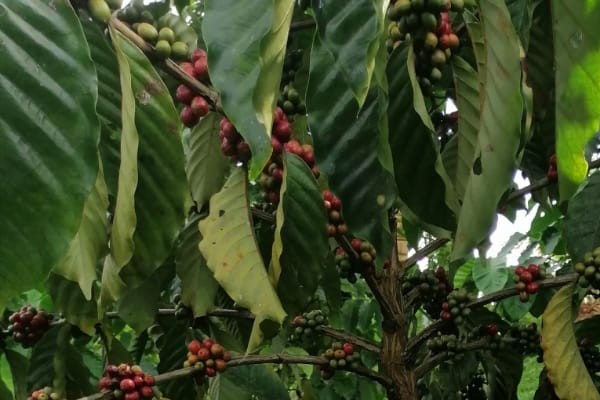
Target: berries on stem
{"x":305,"y":325}
{"x":526,"y":280}
{"x":589,"y":269}
{"x":126,"y":381}
{"x":46,"y":393}
{"x":28,"y":325}
{"x":455,"y":308}
{"x":340,"y":356}
{"x":207,"y":357}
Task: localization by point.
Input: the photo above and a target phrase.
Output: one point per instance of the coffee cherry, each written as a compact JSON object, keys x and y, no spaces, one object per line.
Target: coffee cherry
{"x":166,"y":34}
{"x":148,"y":32}
{"x":162,"y":49}
{"x":188,"y":117}
{"x":179,"y":50}
{"x":99,"y":10}
{"x":199,"y":106}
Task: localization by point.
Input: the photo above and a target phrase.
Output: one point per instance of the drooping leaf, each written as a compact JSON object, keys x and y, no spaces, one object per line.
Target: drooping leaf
{"x":577,"y":64}
{"x":18,"y":364}
{"x":499,"y":136}
{"x":47,"y":359}
{"x":245,"y":55}
{"x":198,"y":287}
{"x":301,"y":245}
{"x":258,"y":380}
{"x":231,"y":252}
{"x":206,"y":166}
{"x":582,"y":233}
{"x":423,"y":184}
{"x":182,"y":31}
{"x":353,"y":49}
{"x":562,"y":358}
{"x":48,"y":137}
{"x":475,"y":29}
{"x":347,"y":148}
{"x":80,"y":262}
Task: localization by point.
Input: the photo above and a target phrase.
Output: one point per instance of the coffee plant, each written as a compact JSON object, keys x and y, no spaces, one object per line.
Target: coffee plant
{"x":294,"y":199}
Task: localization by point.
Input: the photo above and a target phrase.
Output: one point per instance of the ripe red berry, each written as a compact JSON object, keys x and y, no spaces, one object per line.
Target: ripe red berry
{"x":445,"y":42}
{"x":273,"y":197}
{"x":243,"y":151}
{"x":220,"y":365}
{"x":203,"y":354}
{"x":277,"y":175}
{"x":227,"y":147}
{"x":216,"y":350}
{"x":445,"y":306}
{"x":188,"y":117}
{"x":210,"y":372}
{"x":199,"y":106}
{"x":279,"y":115}
{"x":526,"y":277}
{"x":534,"y":270}
{"x":194,"y":346}
{"x":132,"y":396}
{"x":532,"y":288}
{"x":553,"y":160}
{"x":188,"y":68}
{"x":440,"y":273}
{"x":552,"y":175}
{"x":277,"y":146}
{"x":198,"y":54}
{"x":147,"y":392}
{"x":226,"y":356}
{"x":283,"y":130}
{"x":105,"y":383}
{"x":519,"y":270}
{"x":492,"y":329}
{"x":148,"y":380}
{"x":184,"y":94}
{"x":336,"y":204}
{"x":138,"y":380}
{"x":327,"y":195}
{"x":356,"y":244}
{"x":348,"y":348}
{"x":446,"y":316}
{"x":201,"y":69}
{"x":127,"y":385}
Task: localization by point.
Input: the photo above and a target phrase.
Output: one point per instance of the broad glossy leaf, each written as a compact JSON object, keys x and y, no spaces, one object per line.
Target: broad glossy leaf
{"x":347,"y":148}
{"x":489,"y":275}
{"x":467,"y":85}
{"x":198,"y":287}
{"x":562,"y":358}
{"x":231,"y":252}
{"x":49,"y":133}
{"x":71,"y":302}
{"x":182,"y":31}
{"x":245,"y":56}
{"x":5,"y":392}
{"x":47,"y":358}
{"x":349,"y":32}
{"x":499,"y":136}
{"x":475,"y":29}
{"x":582,"y":233}
{"x":504,"y":370}
{"x":423,"y":184}
{"x":206,"y":166}
{"x":18,"y":364}
{"x":258,"y":380}
{"x":301,"y":244}
{"x":80,"y":262}
{"x":577,"y":63}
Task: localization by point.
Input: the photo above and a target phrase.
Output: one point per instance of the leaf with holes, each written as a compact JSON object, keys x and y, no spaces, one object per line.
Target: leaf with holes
{"x":582,"y":233}
{"x":562,"y":358}
{"x":301,"y":244}
{"x":423,"y":184}
{"x":48,"y":92}
{"x":206,"y":166}
{"x":193,"y":272}
{"x":349,"y":32}
{"x":231,"y":252}
{"x":499,"y":136}
{"x":346,"y":144}
{"x":246,"y":46}
{"x":577,"y":65}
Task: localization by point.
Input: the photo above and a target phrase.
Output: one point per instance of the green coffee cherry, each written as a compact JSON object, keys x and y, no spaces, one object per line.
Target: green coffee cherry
{"x":162,"y":49}
{"x":147,"y":32}
{"x":99,"y":10}
{"x":180,"y":50}
{"x":167,"y":34}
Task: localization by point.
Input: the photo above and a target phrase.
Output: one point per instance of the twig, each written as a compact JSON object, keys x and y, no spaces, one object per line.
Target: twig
{"x":263,"y":215}
{"x":424,"y":252}
{"x":430,"y":330}
{"x":304,"y":24}
{"x":169,"y":65}
{"x":261,"y":359}
{"x":346,"y":337}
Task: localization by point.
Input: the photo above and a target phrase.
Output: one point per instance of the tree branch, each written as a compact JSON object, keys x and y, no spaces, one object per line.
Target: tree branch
{"x":424,"y":252}
{"x":287,"y":359}
{"x":430,"y":330}
{"x":346,"y":337}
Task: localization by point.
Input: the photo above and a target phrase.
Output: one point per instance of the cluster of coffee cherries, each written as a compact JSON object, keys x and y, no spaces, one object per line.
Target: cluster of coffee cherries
{"x":345,"y":268}
{"x":366,"y":252}
{"x":305,"y":325}
{"x":290,"y":101}
{"x":340,"y":356}
{"x":128,"y":382}
{"x":46,"y":393}
{"x":552,"y":173}
{"x":474,"y":389}
{"x":455,"y":308}
{"x":433,"y":287}
{"x":291,"y":64}
{"x":157,"y":33}
{"x":333,"y":205}
{"x":28,"y":325}
{"x":527,"y":339}
{"x":449,"y":344}
{"x":526,"y":280}
{"x":488,"y":332}
{"x":207,"y":357}
{"x":427,"y":23}
{"x":590,"y":354}
{"x":195,"y":106}
{"x":589,"y":269}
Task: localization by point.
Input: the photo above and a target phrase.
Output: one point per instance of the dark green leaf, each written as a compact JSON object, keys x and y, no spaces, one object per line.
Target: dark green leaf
{"x":19,"y":365}
{"x":48,"y":130}
{"x":521,"y":14}
{"x":504,"y":370}
{"x":172,"y":355}
{"x":582,"y":233}
{"x":490,"y":275}
{"x":241,"y":382}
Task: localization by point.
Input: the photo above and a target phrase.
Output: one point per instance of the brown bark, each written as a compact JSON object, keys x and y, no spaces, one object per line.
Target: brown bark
{"x":395,"y":332}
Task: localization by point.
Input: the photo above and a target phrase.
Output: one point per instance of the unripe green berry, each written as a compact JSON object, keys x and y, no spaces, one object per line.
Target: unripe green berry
{"x":167,"y":34}
{"x":162,"y":49}
{"x":147,"y":32}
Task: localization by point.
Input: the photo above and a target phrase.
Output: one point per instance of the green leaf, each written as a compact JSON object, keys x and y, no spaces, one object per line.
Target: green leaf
{"x":490,"y":276}
{"x":582,"y":233}
{"x":577,"y":64}
{"x":72,"y":303}
{"x":562,"y":358}
{"x":206,"y":166}
{"x":182,"y":31}
{"x":48,"y":167}
{"x":19,"y":364}
{"x":353,"y":49}
{"x":47,"y":359}
{"x":161,"y":185}
{"x":172,"y":355}
{"x":198,"y":287}
{"x":5,"y":392}
{"x":521,"y":13}
{"x":504,"y":372}
{"x":231,"y":252}
{"x":347,"y":149}
{"x":423,"y":184}
{"x":301,"y":244}
{"x":248,"y":380}
{"x":80,"y":261}
{"x":246,"y":47}
{"x":499,"y":136}
{"x":467,"y":86}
